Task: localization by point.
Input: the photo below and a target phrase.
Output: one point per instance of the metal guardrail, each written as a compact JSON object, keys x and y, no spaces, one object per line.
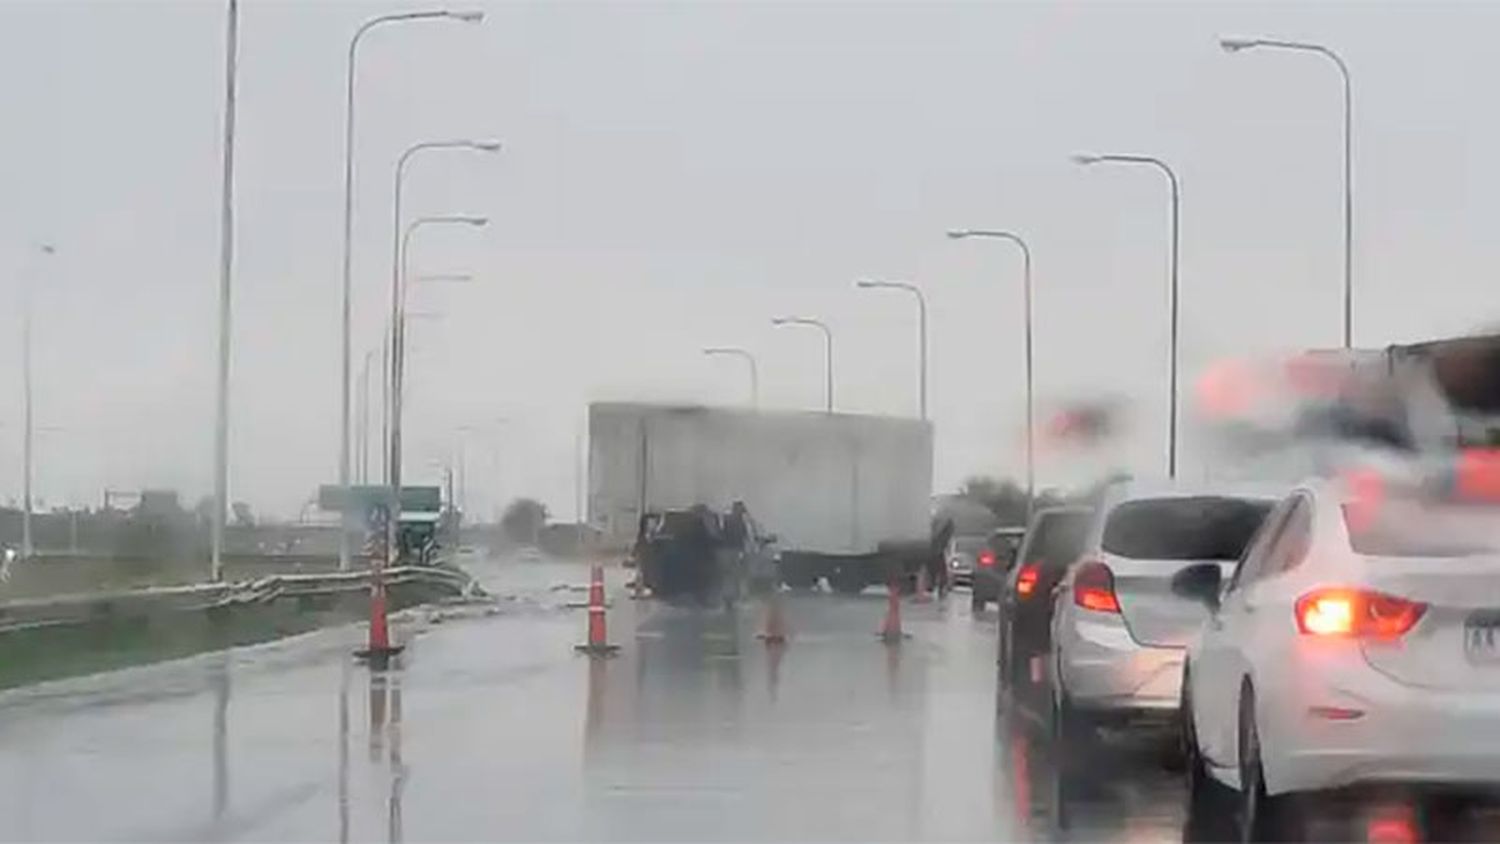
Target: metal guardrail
{"x":74,"y":609}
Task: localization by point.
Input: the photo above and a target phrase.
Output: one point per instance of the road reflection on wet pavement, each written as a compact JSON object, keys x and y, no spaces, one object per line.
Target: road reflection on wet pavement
{"x":492,"y":728}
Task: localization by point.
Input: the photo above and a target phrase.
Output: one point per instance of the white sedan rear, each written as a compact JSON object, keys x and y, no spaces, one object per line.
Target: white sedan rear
{"x":1357,"y":642}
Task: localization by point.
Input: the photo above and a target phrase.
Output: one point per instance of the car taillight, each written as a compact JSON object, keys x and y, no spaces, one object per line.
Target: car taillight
{"x":986,"y":559}
{"x":1026,"y":579}
{"x":1094,"y":588}
{"x":1356,"y":613}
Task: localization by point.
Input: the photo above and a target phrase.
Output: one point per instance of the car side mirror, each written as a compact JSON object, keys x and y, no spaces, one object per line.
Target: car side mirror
{"x":1200,"y":582}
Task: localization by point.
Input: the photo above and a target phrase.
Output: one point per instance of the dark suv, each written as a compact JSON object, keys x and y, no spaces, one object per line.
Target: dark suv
{"x":1053,"y":542}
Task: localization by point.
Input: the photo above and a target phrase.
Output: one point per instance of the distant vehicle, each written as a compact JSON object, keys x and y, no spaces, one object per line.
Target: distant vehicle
{"x":960,"y":556}
{"x":1118,"y":630}
{"x":847,"y":496}
{"x":1357,"y":642}
{"x":991,"y":563}
{"x":1052,"y":543}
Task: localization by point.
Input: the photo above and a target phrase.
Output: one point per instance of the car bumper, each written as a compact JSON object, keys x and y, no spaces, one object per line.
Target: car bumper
{"x":1104,"y":669}
{"x":1402,"y":735}
{"x":985,"y":584}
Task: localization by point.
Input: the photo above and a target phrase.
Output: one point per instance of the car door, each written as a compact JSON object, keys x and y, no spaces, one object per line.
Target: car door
{"x":1214,"y":684}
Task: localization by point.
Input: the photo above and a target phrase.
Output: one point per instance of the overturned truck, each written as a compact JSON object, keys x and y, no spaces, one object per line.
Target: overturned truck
{"x":845,"y":497}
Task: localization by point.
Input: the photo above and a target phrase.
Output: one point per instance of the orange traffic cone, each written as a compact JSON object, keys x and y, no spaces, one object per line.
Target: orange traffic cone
{"x":924,"y":587}
{"x":598,"y":644}
{"x":379,"y":650}
{"x":890,"y":630}
{"x":774,"y":632}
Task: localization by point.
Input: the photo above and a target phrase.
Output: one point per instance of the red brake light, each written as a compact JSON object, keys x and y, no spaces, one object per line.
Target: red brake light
{"x":1026,"y":580}
{"x":986,"y":559}
{"x":1356,"y":613}
{"x":1477,"y":476}
{"x":1094,"y":588}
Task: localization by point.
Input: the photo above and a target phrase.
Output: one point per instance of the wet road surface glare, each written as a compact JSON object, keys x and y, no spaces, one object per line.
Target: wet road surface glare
{"x":492,"y":727}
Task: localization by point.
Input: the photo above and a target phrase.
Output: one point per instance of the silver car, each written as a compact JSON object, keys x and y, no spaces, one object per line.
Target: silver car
{"x":960,"y":557}
{"x":1118,"y":630}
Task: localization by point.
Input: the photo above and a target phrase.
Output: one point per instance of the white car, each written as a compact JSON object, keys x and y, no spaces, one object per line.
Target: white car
{"x":1356,"y":643}
{"x":1119,"y":633}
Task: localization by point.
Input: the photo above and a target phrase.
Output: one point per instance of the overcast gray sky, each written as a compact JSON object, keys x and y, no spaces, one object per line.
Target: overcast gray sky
{"x":675,"y":175}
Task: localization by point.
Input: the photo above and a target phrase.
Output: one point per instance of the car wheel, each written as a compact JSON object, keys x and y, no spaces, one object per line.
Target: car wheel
{"x":1071,"y":730}
{"x":977,"y":603}
{"x":1261,"y":816}
{"x":1002,"y":656}
{"x":1210,"y":810}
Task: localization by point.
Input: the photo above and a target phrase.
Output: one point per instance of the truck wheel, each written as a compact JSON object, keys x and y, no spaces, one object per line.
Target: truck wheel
{"x":847,"y":582}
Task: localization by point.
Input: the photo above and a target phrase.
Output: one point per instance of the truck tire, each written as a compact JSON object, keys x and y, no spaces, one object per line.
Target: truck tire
{"x":848,"y":580}
{"x":798,"y":572}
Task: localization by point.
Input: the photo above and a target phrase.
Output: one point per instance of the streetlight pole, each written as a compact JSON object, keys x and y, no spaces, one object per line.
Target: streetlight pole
{"x":1089,"y":160}
{"x":754,"y":369}
{"x":226,"y":270}
{"x":827,"y":353}
{"x":397,"y":363}
{"x":28,"y":427}
{"x":350,"y":66}
{"x":921,"y":332}
{"x":1235,"y":45}
{"x":960,"y":234}
{"x":384,"y":351}
{"x":362,"y":438}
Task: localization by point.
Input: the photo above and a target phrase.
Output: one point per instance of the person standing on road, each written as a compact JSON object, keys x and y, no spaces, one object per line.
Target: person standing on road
{"x":937,"y":563}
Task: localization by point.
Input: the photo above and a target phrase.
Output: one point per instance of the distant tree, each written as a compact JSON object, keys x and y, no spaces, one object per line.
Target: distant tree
{"x":1005,"y":498}
{"x":523,"y":520}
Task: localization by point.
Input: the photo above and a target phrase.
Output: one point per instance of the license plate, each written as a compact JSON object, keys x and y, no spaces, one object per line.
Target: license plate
{"x":1482,"y":637}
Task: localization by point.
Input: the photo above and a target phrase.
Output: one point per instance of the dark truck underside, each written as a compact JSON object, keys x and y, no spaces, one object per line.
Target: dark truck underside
{"x":850,"y":575}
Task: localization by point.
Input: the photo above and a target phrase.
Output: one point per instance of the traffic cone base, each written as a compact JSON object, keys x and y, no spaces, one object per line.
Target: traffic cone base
{"x":378,"y":659}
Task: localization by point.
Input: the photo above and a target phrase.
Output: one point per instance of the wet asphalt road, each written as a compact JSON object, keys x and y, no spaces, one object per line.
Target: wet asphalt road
{"x":492,"y":728}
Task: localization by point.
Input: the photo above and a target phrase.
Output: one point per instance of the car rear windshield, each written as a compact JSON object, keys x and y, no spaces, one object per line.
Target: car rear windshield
{"x":1402,"y":528}
{"x":968,"y":544}
{"x":1058,"y":540}
{"x":1183,"y":528}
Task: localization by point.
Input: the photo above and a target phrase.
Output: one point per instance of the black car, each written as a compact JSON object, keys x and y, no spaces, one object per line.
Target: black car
{"x":991,"y":563}
{"x":1053,"y":542}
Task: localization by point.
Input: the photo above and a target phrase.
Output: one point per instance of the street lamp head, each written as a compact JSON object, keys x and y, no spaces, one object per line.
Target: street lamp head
{"x":1234,"y":45}
{"x":475,"y":221}
{"x":1085,"y":159}
{"x":781,"y":320}
{"x":468,"y":15}
{"x":866,"y":283}
{"x":487,"y":146}
{"x":959,"y":234}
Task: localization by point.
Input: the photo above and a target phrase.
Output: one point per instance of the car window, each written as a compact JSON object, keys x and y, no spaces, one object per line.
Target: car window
{"x":1250,"y":562}
{"x":1206,"y":527}
{"x":1005,"y":546}
{"x":1057,"y":540}
{"x":1292,"y":541}
{"x":967,"y":544}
